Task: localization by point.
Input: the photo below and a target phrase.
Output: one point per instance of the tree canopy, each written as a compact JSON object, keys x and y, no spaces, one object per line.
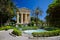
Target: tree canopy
{"x":53,"y":13}
{"x":6,"y":10}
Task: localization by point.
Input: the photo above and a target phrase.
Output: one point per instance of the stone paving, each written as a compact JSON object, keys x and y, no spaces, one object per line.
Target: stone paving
{"x":4,"y":35}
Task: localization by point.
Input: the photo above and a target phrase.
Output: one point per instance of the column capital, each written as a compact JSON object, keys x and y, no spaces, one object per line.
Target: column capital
{"x":17,"y":12}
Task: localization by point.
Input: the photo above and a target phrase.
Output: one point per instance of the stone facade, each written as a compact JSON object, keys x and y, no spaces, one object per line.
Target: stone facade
{"x":23,"y":16}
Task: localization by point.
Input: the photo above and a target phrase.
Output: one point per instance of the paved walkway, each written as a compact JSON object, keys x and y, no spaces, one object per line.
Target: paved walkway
{"x":4,"y":35}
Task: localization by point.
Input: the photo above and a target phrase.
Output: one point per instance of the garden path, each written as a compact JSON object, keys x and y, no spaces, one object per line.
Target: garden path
{"x":4,"y":35}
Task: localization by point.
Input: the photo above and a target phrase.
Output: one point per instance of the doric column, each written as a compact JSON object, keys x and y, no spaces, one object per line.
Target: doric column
{"x":21,"y":18}
{"x":17,"y":17}
{"x":29,"y":18}
{"x":25,"y":18}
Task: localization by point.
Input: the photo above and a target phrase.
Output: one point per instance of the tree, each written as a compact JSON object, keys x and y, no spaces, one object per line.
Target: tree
{"x":53,"y":14}
{"x":37,"y":12}
{"x":33,"y":21}
{"x":6,"y":11}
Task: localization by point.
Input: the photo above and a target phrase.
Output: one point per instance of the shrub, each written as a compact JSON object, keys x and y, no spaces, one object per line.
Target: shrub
{"x":46,"y":34}
{"x":20,"y":25}
{"x":5,"y":28}
{"x":17,"y":32}
{"x":8,"y":27}
{"x":50,"y":28}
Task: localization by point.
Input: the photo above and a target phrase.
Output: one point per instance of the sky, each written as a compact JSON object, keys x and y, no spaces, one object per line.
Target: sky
{"x":32,"y":4}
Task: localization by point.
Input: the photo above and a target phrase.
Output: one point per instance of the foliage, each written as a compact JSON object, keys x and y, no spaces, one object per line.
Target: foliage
{"x":36,"y":14}
{"x":20,"y":25}
{"x":6,"y":28}
{"x":49,"y":28}
{"x":17,"y":32}
{"x":12,"y":22}
{"x":53,"y":14}
{"x":33,"y":21}
{"x":29,"y":27}
{"x":46,"y":34}
{"x":6,"y":11}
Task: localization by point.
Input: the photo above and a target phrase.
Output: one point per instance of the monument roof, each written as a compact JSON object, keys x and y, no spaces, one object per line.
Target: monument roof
{"x":24,"y":9}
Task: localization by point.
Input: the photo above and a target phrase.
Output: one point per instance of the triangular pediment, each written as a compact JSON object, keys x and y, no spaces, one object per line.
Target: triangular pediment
{"x":24,"y":9}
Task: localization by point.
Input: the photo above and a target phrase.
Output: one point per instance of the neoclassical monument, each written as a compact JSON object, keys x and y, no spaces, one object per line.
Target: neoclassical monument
{"x":23,"y":16}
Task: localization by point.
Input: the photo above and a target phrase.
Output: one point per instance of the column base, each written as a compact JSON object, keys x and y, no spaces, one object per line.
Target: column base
{"x":17,"y":24}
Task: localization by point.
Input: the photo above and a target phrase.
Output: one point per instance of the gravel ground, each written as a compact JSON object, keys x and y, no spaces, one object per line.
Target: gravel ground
{"x":4,"y":35}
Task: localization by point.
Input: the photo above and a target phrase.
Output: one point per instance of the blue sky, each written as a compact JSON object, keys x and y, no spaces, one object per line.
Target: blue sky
{"x":32,"y":4}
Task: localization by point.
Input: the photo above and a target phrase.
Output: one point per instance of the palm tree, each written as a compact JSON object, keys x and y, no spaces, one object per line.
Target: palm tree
{"x":37,"y":12}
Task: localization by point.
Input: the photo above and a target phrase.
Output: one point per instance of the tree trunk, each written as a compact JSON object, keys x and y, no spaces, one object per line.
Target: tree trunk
{"x":1,"y":21}
{"x":37,"y":20}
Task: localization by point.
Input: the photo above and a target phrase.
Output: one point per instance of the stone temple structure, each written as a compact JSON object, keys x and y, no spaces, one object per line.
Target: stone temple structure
{"x":23,"y":16}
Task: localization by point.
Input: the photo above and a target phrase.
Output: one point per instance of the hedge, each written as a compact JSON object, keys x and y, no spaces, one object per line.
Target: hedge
{"x":46,"y":34}
{"x":29,"y":28}
{"x":17,"y":32}
{"x":5,"y":28}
